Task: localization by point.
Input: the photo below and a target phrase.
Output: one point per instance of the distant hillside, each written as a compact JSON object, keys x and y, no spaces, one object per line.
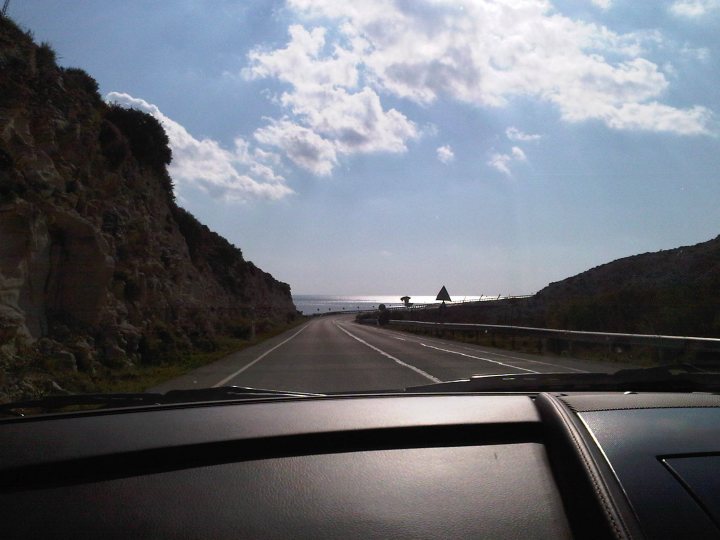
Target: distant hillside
{"x":673,"y":292}
{"x":676,"y":291}
{"x":98,"y":266}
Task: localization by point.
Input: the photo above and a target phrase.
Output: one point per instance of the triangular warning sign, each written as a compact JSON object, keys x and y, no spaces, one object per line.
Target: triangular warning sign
{"x":443,"y":295}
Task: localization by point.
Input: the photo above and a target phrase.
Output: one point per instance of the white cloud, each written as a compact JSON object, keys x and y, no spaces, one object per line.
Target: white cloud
{"x":514,"y":134}
{"x":302,"y":63}
{"x":301,"y":145}
{"x":694,"y":8}
{"x":603,"y":4}
{"x":696,"y":53}
{"x":518,"y":154}
{"x":481,"y":52}
{"x":241,"y":173}
{"x":502,"y":162}
{"x":445,"y":153}
{"x":333,"y":115}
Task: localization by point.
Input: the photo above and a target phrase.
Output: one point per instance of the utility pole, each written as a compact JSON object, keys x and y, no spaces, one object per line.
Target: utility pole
{"x":5,"y":6}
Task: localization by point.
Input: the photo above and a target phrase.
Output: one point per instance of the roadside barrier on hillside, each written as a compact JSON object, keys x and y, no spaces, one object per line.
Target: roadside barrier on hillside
{"x":412,"y":307}
{"x":686,"y":343}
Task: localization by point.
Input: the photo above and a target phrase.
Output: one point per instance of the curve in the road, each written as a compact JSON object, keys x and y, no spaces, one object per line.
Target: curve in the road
{"x":334,"y":354}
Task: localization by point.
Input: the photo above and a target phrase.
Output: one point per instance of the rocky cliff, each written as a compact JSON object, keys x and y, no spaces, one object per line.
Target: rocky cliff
{"x":98,"y":265}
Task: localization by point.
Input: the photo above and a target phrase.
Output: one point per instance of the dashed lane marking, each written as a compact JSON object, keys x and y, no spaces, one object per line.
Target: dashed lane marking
{"x":391,"y":357}
{"x":478,"y":358}
{"x":493,"y":353}
{"x":528,"y":360}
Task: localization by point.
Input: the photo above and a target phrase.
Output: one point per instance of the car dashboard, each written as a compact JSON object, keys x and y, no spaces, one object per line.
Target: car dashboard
{"x":549,"y":465}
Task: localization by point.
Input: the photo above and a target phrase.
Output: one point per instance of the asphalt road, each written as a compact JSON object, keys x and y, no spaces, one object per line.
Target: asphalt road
{"x":335,"y":354}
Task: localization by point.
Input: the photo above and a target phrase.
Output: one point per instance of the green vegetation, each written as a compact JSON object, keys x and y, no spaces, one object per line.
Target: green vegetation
{"x":78,"y":79}
{"x":146,"y":138}
{"x":45,"y":56}
{"x":148,"y":141}
{"x":147,"y":375}
{"x":197,"y":235}
{"x":11,"y":28}
{"x":686,"y":309}
{"x":635,"y":355}
{"x":113,"y":144}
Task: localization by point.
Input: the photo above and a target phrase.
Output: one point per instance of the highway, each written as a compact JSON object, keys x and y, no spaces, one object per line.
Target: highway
{"x":335,"y":354}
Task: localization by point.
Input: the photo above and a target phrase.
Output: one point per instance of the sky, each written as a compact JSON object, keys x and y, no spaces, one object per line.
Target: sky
{"x":382,"y":147}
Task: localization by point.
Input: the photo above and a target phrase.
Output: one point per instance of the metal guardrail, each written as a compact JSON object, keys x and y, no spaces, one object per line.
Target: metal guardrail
{"x":433,"y":305}
{"x":658,"y":341}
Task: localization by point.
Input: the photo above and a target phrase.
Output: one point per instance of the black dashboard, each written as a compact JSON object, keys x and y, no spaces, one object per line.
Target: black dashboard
{"x":585,"y":465}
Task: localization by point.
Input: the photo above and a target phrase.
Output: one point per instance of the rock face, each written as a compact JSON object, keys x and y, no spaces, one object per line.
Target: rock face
{"x":95,"y":256}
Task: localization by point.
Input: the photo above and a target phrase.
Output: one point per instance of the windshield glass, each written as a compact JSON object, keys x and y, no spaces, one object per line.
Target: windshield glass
{"x":317,"y":196}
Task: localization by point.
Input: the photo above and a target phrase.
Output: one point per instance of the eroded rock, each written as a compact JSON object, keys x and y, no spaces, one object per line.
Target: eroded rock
{"x":98,"y":265}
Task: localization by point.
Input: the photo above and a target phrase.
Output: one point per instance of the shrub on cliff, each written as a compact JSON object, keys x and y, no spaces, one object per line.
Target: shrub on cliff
{"x":45,"y":57}
{"x":114,"y":146}
{"x":13,"y":31}
{"x":148,"y":141}
{"x":202,"y":242}
{"x":76,"y":78}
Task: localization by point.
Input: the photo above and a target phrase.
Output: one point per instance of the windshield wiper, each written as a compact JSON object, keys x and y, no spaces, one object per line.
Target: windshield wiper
{"x":223,"y":393}
{"x":671,"y":378}
{"x":82,"y":402}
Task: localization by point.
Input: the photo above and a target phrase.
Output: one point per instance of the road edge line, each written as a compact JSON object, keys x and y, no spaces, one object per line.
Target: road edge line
{"x":263,"y":355}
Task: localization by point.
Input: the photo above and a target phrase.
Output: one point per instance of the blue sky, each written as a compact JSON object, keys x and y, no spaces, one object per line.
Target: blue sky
{"x":395,"y":146}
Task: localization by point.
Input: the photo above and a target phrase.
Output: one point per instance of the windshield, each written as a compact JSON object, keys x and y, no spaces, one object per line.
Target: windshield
{"x":315,"y":196}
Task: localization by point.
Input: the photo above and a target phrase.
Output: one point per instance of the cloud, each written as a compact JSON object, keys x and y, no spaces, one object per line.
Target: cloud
{"x":332,"y":114}
{"x":514,"y":134}
{"x":482,"y":53}
{"x":301,"y":145}
{"x":603,"y":4}
{"x":696,"y":53}
{"x":694,"y":8}
{"x":240,"y":173}
{"x":445,"y":153}
{"x":518,"y":154}
{"x":502,"y":162}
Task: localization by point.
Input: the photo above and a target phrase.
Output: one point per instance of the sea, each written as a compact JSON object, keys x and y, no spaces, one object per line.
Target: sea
{"x":313,"y":304}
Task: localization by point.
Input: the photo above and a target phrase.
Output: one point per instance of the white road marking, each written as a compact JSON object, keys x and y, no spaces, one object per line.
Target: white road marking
{"x":391,"y":357}
{"x":492,"y":352}
{"x":400,"y":338}
{"x":263,"y":355}
{"x":478,"y":358}
{"x":528,"y":360}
